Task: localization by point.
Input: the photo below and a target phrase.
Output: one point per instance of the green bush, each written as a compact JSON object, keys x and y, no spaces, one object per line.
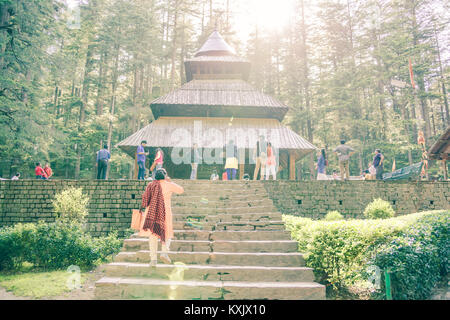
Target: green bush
{"x":54,"y":246}
{"x":70,"y":205}
{"x":333,"y":216}
{"x":341,"y":252}
{"x":15,"y":245}
{"x":379,"y":209}
{"x":417,"y":259}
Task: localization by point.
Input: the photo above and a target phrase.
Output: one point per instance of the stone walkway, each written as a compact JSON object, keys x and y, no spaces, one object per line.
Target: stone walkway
{"x":230,"y":243}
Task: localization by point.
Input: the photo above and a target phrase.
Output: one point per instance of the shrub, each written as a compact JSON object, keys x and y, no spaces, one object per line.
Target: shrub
{"x":54,"y":246}
{"x":333,"y":216}
{"x":70,"y":205}
{"x":341,"y":252}
{"x":379,"y":209}
{"x":418,"y":258}
{"x":15,"y":245}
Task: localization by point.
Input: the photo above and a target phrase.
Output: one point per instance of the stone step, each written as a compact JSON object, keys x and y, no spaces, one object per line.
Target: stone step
{"x":231,"y":210}
{"x":228,"y":235}
{"x":235,"y":225}
{"x":227,"y":217}
{"x":251,"y":235}
{"x":141,"y":288}
{"x":209,"y":272}
{"x":218,"y":245}
{"x":250,"y":225}
{"x":269,"y":259}
{"x":225,"y":185}
{"x":206,"y":203}
{"x":218,"y":197}
{"x":220,"y":193}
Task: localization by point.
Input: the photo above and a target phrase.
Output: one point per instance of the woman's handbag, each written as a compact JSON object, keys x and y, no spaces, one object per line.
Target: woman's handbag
{"x":136,"y":220}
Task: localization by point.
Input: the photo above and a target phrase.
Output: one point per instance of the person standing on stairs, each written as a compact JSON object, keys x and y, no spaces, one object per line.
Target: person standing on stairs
{"x":195,"y":159}
{"x":260,"y":156}
{"x":271,"y":163}
{"x":158,"y":162}
{"x":231,"y":164}
{"x":157,"y":223}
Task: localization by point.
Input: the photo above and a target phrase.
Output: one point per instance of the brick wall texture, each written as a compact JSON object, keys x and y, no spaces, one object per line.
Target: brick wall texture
{"x":111,"y":201}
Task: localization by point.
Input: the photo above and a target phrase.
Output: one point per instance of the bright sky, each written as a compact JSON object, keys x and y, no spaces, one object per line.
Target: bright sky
{"x":268,"y":15}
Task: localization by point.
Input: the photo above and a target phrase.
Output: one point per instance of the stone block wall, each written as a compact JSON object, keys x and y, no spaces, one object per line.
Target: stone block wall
{"x":110,"y":204}
{"x":314,"y":199}
{"x":111,"y":201}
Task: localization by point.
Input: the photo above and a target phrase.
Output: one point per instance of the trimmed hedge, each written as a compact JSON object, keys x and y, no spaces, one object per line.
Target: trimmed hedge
{"x":333,"y":216}
{"x":54,"y":246}
{"x":414,"y":248}
{"x":379,"y":209}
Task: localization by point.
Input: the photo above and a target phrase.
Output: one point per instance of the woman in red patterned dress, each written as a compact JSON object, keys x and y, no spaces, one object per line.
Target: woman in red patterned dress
{"x":157,"y":223}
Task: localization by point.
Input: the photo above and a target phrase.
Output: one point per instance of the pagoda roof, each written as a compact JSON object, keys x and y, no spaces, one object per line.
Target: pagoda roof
{"x":221,"y":58}
{"x":216,"y":98}
{"x":215,"y":45}
{"x":441,"y":148}
{"x":169,"y":132}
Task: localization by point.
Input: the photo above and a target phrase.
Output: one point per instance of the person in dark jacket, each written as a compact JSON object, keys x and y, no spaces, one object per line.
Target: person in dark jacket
{"x":103,"y":157}
{"x":378,"y":164}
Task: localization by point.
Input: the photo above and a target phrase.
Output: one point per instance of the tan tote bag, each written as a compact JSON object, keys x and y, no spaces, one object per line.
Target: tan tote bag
{"x":136,"y":220}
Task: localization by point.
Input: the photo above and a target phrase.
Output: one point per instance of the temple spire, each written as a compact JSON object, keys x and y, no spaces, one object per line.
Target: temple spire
{"x":215,"y":45}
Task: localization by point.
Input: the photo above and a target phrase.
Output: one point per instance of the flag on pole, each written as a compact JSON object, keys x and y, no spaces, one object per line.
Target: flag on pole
{"x":411,"y":74}
{"x":393,"y":166}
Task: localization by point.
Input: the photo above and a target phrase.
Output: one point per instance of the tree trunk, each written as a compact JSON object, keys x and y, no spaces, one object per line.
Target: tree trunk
{"x":174,"y":45}
{"x":441,"y":76}
{"x":84,"y":101}
{"x":304,"y":55}
{"x":113,"y":102}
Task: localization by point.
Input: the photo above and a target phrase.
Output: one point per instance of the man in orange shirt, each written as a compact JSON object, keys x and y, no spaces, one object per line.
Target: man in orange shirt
{"x":48,"y":171}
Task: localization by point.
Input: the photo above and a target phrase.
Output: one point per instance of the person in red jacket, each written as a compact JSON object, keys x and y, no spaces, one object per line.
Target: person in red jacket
{"x":40,"y":173}
{"x":48,"y":171}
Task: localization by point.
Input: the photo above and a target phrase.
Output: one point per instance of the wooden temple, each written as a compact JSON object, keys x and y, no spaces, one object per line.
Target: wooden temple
{"x":214,"y":106}
{"x":440,"y":151}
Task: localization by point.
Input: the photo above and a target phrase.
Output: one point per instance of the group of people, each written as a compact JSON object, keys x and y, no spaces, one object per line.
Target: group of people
{"x":344,"y":152}
{"x":104,"y":156}
{"x":42,"y":173}
{"x":264,"y":157}
{"x":265,"y":160}
{"x":142,"y":157}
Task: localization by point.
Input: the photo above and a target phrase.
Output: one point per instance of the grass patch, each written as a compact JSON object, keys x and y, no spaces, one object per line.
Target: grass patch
{"x":37,"y":284}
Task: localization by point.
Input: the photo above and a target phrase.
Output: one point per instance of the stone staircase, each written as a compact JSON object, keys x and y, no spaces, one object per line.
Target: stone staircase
{"x":230,"y":243}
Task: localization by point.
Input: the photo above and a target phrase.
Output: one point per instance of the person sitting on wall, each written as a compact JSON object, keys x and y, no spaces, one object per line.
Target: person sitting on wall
{"x":214,"y":176}
{"x":40,"y":173}
{"x":48,"y":170}
{"x":16,"y":176}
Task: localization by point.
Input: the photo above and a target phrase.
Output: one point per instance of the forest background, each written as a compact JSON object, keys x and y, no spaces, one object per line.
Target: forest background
{"x":79,"y":74}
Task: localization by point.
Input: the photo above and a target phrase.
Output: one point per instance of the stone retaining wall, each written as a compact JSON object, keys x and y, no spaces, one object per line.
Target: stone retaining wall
{"x":110,"y":204}
{"x":111,"y":201}
{"x":315,"y":198}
